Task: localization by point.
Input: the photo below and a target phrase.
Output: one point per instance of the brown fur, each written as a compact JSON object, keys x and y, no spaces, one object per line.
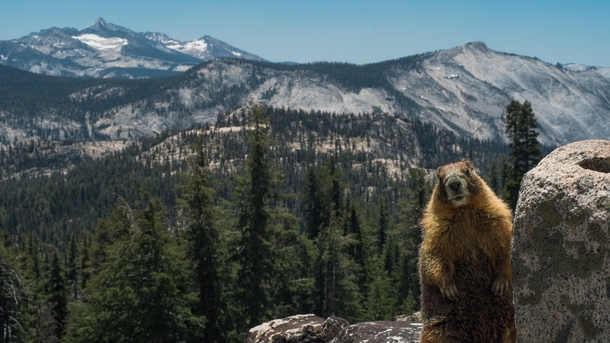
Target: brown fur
{"x":464,"y":262}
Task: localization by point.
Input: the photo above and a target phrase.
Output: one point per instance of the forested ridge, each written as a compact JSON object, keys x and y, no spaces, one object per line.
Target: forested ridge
{"x":75,"y":109}
{"x":199,"y":235}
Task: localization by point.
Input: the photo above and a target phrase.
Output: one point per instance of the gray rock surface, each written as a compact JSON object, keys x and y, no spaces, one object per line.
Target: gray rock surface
{"x":380,"y":332}
{"x":561,"y":247}
{"x":309,"y":328}
{"x":306,"y":328}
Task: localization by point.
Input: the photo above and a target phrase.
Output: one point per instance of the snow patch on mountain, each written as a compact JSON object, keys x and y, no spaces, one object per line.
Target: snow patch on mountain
{"x":107,"y":50}
{"x":101,"y":43}
{"x":199,"y":44}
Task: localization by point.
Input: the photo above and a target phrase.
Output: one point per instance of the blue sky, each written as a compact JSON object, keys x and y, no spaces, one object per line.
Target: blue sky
{"x":344,"y":31}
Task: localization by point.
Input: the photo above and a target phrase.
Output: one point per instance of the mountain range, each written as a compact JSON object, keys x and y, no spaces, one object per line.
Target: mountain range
{"x":463,"y":90}
{"x":111,"y":51}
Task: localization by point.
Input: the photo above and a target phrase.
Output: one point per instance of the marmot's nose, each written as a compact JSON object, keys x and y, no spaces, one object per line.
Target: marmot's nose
{"x":454,"y":184}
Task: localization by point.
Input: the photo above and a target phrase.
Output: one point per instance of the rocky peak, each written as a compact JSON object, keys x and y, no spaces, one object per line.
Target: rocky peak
{"x":104,"y":29}
{"x":100,"y":22}
{"x":476,"y":46}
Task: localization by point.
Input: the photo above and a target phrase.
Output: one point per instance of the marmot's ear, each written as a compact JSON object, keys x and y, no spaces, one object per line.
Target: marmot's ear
{"x":469,"y":165}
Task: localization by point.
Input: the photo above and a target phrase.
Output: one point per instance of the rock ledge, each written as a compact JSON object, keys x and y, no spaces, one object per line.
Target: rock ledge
{"x":309,"y":328}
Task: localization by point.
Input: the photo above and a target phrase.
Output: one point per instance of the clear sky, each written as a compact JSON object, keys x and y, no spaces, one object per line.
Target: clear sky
{"x":352,"y":31}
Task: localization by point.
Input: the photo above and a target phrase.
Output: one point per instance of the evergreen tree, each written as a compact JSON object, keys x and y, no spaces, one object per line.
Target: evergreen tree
{"x":137,"y":292}
{"x":294,"y":257}
{"x":355,"y":235}
{"x":317,"y":209}
{"x":334,"y":173}
{"x":411,"y":208}
{"x":380,"y":298}
{"x":102,"y":240}
{"x":525,"y":152}
{"x":323,"y":194}
{"x":57,"y":295}
{"x":73,"y":266}
{"x":254,"y":253}
{"x":336,"y":274}
{"x":383,"y":224}
{"x":85,"y":262}
{"x":203,"y":240}
{"x":340,"y":268}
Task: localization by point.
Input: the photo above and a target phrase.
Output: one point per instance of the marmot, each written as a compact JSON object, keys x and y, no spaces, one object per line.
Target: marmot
{"x":464,"y":261}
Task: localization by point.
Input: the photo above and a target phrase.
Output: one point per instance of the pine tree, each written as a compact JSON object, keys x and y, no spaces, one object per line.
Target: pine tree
{"x":293,"y":265}
{"x":383,"y":224}
{"x":137,"y":291}
{"x":57,"y":292}
{"x":356,"y":250}
{"x":73,"y":266}
{"x":317,"y":211}
{"x":341,"y":267}
{"x":102,"y":240}
{"x":525,"y":152}
{"x":85,"y":262}
{"x":411,"y":208}
{"x":334,"y":173}
{"x":254,"y":252}
{"x":108,"y":231}
{"x":203,"y":238}
{"x":323,"y":194}
{"x":327,"y":265}
{"x":380,"y":297}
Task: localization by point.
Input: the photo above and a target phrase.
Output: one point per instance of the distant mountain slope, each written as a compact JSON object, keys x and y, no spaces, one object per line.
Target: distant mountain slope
{"x":470,"y":86}
{"x":107,"y":50}
{"x":464,"y":89}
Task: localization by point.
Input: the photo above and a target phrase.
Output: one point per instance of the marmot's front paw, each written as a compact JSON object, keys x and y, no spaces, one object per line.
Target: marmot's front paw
{"x":499,"y":285}
{"x":449,"y":290}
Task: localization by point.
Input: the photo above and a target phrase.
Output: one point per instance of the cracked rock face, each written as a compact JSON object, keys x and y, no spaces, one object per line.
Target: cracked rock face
{"x":561,"y":247}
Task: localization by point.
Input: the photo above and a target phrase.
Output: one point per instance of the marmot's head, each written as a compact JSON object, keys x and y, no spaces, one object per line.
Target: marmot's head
{"x":458,"y":182}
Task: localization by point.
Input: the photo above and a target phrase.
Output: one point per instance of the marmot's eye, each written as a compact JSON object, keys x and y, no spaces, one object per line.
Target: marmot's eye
{"x":467,"y":171}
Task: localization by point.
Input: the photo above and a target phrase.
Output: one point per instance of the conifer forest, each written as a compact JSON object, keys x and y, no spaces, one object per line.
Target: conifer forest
{"x":200,"y":235}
